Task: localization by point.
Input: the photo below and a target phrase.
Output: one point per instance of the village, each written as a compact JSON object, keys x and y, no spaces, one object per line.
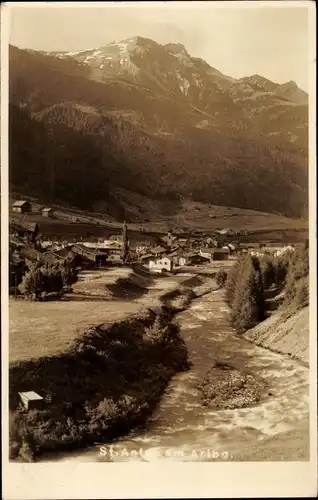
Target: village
{"x":87,"y":312}
{"x":167,"y":253}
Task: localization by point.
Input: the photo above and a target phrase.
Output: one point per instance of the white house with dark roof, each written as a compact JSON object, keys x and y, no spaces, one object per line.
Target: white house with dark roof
{"x":161,"y":264}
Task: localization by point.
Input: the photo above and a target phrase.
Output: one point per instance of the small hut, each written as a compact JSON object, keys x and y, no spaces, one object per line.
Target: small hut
{"x":47,"y":212}
{"x":31,"y":400}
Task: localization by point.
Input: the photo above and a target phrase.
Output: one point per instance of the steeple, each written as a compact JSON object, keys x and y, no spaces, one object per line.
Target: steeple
{"x":125,"y":243}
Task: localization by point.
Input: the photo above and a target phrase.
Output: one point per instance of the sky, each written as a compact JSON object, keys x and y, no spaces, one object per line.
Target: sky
{"x":238,"y":40}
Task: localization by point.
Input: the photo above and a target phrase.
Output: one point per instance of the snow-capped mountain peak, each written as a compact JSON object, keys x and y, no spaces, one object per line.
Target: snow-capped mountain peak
{"x":170,"y":69}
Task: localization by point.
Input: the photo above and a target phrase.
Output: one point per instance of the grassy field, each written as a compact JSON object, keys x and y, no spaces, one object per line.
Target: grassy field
{"x":39,"y":329}
{"x":103,"y":366}
{"x":97,"y":282}
{"x":194,"y":215}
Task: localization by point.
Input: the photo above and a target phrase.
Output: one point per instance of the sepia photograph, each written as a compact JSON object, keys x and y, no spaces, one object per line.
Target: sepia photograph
{"x":158,"y":260}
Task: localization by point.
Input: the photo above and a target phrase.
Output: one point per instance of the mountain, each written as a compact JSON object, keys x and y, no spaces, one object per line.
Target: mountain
{"x":151,"y":119}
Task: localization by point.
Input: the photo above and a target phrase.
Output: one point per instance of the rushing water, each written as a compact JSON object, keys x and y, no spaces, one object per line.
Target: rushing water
{"x":182,"y":429}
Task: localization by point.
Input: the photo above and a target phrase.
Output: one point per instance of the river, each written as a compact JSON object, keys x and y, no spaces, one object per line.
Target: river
{"x":182,"y":429}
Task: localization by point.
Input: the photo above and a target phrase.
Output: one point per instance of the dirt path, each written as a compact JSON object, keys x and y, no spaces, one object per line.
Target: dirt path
{"x":182,"y":429}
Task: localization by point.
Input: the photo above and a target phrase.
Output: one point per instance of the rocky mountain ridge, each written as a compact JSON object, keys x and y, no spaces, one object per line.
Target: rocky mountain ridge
{"x":158,"y":121}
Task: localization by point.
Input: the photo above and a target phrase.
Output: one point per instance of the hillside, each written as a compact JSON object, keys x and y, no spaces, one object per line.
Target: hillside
{"x":150,"y":219}
{"x":287,"y":336}
{"x":154,"y":121}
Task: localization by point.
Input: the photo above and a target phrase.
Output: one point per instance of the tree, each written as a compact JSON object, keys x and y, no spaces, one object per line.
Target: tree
{"x":297,"y":278}
{"x":51,"y":278}
{"x":69,"y":275}
{"x":16,"y":268}
{"x":233,"y":279}
{"x":246,"y":294}
{"x":32,"y":283}
{"x":268,"y":272}
{"x":242,"y":308}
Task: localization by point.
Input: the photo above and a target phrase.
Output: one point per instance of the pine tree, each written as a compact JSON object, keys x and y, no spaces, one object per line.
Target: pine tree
{"x":233,"y":279}
{"x":32,"y":283}
{"x":247,"y":294}
{"x":244,"y":305}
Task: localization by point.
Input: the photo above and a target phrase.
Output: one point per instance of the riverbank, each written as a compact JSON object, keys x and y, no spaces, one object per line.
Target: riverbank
{"x":183,"y":428}
{"x":284,"y":333}
{"x":106,"y":383}
{"x":100,"y":383}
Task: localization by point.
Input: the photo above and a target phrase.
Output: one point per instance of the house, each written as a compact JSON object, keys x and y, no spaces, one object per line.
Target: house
{"x":114,"y":260}
{"x":161,"y":264}
{"x":182,"y":242}
{"x":31,"y":229}
{"x":211,"y":242}
{"x":46,"y":244}
{"x":156,"y":251}
{"x":284,"y":250}
{"x":182,"y":260}
{"x":62,"y":256}
{"x":31,"y":400}
{"x":196,"y":259}
{"x":27,"y":230}
{"x":221,"y":254}
{"x":207,"y":253}
{"x":226,"y":232}
{"x":16,"y":242}
{"x":232,"y":247}
{"x":113,"y":250}
{"x":191,"y":258}
{"x":90,"y":255}
{"x":53,"y":257}
{"x":197,"y":233}
{"x":22,"y":207}
{"x":141,"y":248}
{"x":103,"y":245}
{"x":256,"y":253}
{"x":145,"y":258}
{"x":47,"y":212}
{"x":174,"y":256}
{"x":245,"y":246}
{"x":30,"y":255}
{"x":116,"y":237}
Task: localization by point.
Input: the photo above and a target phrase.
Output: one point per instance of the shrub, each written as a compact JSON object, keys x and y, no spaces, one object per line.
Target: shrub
{"x":221,"y":277}
{"x":102,"y":416}
{"x":109,"y":381}
{"x":26,"y":452}
{"x":53,"y":279}
{"x":156,"y":333}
